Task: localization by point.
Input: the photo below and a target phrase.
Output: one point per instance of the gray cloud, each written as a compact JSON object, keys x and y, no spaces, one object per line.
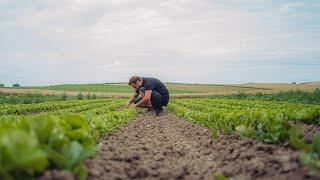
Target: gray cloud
{"x":176,"y":40}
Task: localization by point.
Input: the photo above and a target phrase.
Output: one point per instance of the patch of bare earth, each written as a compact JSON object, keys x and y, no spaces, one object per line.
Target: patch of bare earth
{"x":169,"y":147}
{"x":307,"y":130}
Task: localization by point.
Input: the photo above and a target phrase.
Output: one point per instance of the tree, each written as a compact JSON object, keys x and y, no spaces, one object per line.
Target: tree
{"x":16,"y":85}
{"x":1,"y":85}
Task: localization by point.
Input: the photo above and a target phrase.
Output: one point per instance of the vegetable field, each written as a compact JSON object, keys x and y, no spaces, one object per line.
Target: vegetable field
{"x":227,"y":136}
{"x":55,"y":135}
{"x":267,"y":121}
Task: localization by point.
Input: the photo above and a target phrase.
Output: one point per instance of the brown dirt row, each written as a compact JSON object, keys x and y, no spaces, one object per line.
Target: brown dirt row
{"x":169,"y":147}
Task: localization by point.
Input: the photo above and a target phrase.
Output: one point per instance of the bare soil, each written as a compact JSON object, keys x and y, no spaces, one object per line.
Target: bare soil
{"x":307,"y":130}
{"x":169,"y":147}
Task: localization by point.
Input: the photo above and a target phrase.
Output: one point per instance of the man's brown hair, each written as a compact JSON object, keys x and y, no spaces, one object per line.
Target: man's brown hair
{"x":134,"y":79}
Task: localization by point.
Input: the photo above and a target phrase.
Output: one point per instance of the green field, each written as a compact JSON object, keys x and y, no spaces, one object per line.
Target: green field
{"x":55,"y":134}
{"x":175,"y":88}
{"x":61,"y":131}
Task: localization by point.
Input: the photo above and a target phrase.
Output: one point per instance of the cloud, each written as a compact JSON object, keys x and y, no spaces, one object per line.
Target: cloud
{"x":291,"y":6}
{"x":110,"y":40}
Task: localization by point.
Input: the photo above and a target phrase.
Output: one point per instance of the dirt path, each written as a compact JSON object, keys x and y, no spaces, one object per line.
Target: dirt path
{"x":168,"y":147}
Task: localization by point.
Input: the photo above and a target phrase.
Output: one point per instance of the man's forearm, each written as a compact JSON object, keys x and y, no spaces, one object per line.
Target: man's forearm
{"x":143,"y":101}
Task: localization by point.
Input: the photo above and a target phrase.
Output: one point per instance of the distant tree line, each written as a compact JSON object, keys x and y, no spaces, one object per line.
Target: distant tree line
{"x":13,"y":85}
{"x":16,"y":85}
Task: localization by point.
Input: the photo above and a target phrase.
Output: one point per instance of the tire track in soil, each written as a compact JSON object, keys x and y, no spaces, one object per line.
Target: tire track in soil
{"x":169,"y":147}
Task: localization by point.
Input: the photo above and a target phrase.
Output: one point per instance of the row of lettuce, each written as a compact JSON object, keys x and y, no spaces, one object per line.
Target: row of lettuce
{"x":55,"y":135}
{"x":31,"y":98}
{"x":293,"y":96}
{"x":268,"y":121}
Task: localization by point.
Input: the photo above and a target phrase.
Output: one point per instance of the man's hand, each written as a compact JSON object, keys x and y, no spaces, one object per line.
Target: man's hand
{"x":131,"y":100}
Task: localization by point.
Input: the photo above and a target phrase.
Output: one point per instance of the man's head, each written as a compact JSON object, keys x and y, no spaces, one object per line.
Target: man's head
{"x":135,"y":82}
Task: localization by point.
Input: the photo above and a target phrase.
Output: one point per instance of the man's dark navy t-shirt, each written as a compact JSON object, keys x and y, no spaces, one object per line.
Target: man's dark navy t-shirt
{"x":155,"y":85}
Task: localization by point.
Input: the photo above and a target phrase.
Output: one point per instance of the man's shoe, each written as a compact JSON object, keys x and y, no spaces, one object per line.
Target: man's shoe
{"x":158,"y":111}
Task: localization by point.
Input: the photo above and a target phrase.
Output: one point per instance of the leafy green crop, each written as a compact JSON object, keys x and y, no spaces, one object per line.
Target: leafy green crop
{"x":56,"y":138}
{"x":311,"y":153}
{"x":45,"y":141}
{"x":268,"y":121}
{"x":296,"y":96}
{"x":20,"y":154}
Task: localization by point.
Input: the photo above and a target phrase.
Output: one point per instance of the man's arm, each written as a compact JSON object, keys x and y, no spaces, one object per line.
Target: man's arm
{"x":145,"y":99}
{"x":133,"y":96}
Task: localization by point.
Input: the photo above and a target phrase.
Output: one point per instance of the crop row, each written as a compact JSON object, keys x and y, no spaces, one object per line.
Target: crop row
{"x":263,"y":120}
{"x":289,"y":111}
{"x":62,"y":139}
{"x":47,"y":106}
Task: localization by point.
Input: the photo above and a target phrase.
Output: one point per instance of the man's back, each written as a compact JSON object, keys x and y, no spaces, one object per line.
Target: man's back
{"x":155,"y":84}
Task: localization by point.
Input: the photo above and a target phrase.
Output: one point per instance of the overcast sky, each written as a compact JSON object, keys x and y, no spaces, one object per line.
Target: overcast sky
{"x":208,"y":41}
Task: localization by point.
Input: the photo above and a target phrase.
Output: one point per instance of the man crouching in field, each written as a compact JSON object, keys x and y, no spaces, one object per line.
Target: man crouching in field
{"x":153,"y":93}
